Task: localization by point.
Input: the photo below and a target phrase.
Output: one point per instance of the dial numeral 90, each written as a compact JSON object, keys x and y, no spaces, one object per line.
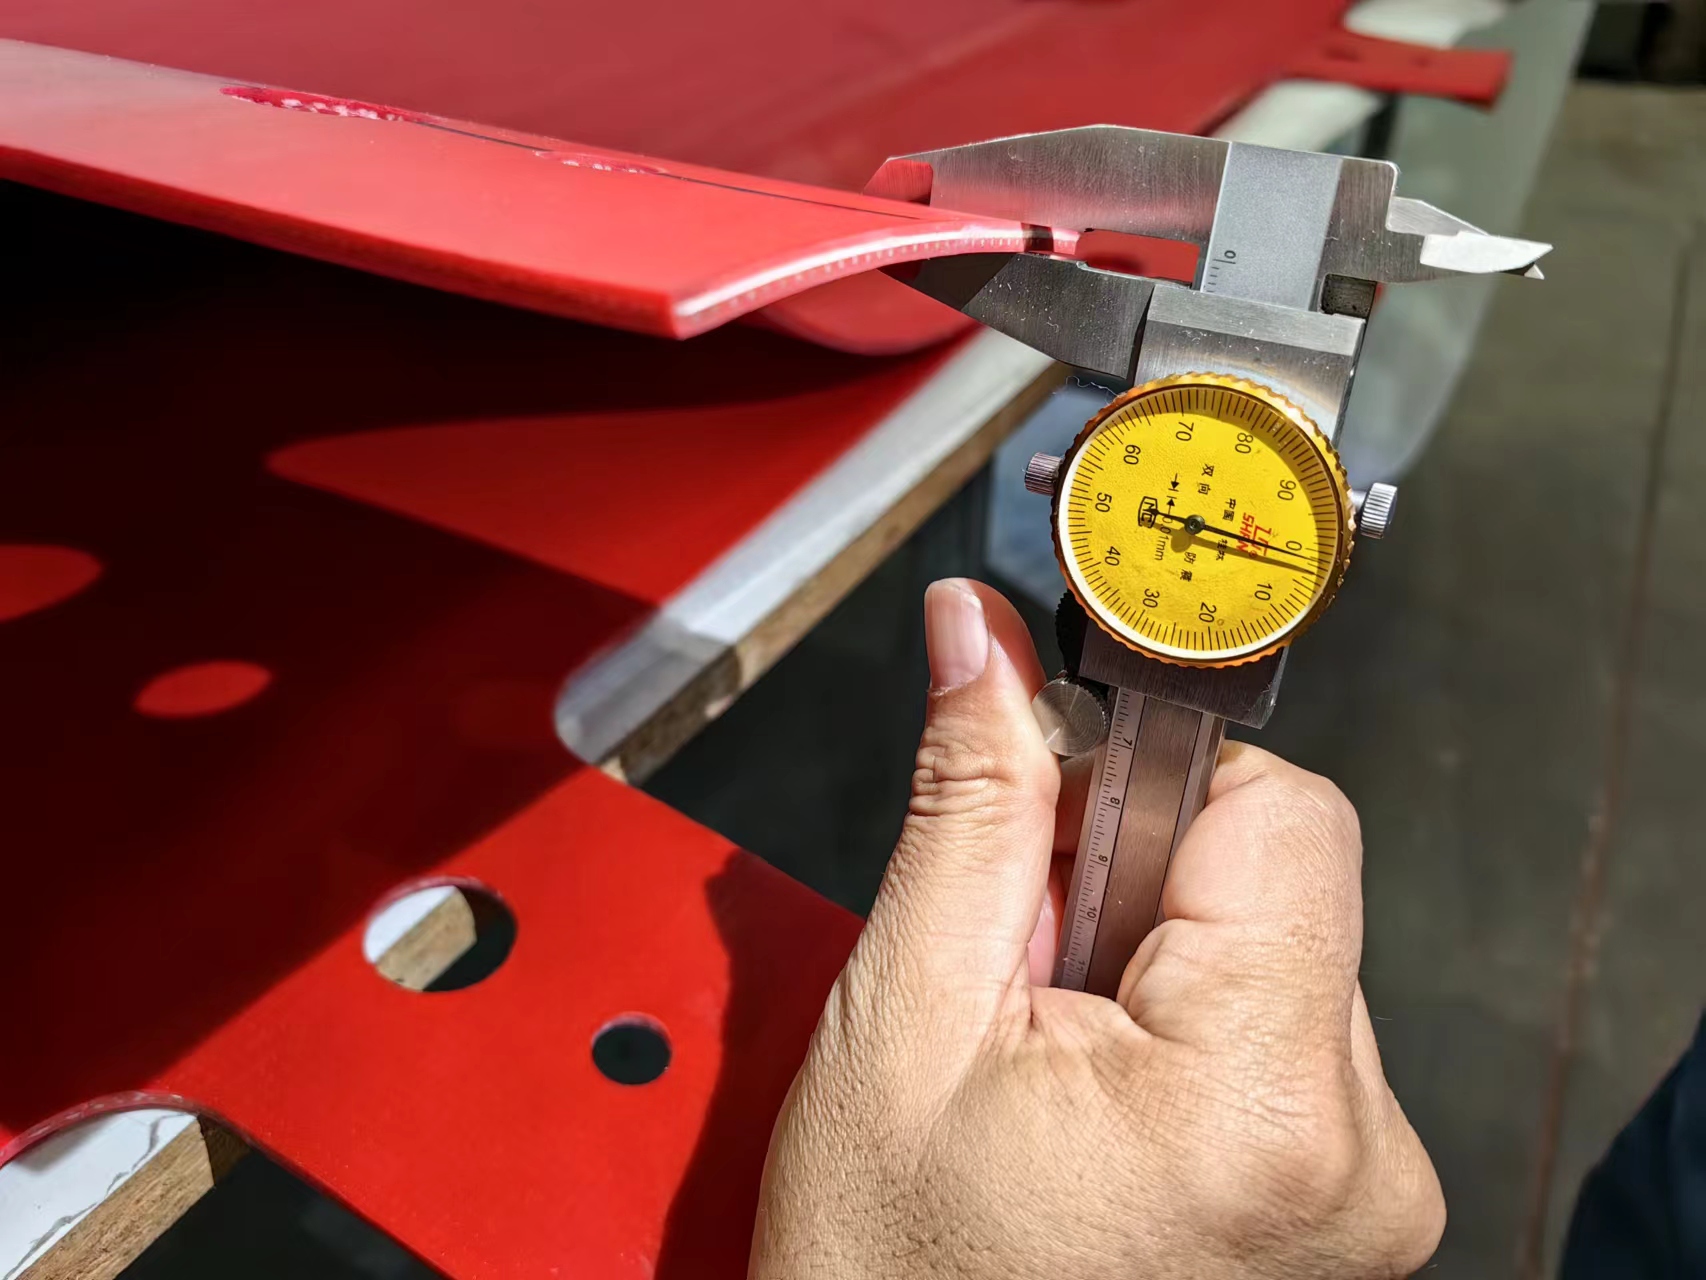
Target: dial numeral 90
{"x":1287,"y":490}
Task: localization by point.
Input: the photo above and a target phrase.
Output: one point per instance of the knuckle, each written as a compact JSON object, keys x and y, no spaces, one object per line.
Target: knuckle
{"x":1303,"y":1160}
{"x":1426,"y":1231}
{"x":1412,"y":1208}
{"x":1272,"y":1161}
{"x":1317,"y":1178}
{"x":1334,"y":809}
{"x":955,"y":775}
{"x":1321,"y":1171}
{"x":1303,"y":1168}
{"x":1311,"y":802}
{"x":1419,"y":1236}
{"x":1296,"y":797}
{"x":951,"y":774}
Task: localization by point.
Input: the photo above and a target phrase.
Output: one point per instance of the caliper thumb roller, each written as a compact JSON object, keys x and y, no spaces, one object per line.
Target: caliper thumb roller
{"x":1202,"y":519}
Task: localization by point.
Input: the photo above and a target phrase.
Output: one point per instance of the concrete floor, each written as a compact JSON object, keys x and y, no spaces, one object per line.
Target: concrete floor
{"x":1509,"y":689}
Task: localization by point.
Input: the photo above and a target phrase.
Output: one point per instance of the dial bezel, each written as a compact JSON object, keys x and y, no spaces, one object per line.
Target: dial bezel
{"x":1301,"y":423}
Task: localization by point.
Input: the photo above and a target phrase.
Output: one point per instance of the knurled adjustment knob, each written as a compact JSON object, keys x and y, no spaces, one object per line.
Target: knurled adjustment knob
{"x":1074,"y":720}
{"x":1374,"y":514}
{"x":1042,"y":474}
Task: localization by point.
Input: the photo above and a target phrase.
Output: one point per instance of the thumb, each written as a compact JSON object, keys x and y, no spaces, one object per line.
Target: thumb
{"x":964,"y":887}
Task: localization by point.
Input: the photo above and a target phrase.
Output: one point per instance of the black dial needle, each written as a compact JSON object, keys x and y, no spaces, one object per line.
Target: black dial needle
{"x":1196,"y":524}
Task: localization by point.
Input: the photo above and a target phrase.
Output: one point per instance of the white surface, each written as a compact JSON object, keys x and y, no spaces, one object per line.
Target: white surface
{"x":1441,"y":23}
{"x":53,"y":1186}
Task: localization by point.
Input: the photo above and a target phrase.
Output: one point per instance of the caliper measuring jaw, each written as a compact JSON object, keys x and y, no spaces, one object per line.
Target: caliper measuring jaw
{"x":1291,"y":248}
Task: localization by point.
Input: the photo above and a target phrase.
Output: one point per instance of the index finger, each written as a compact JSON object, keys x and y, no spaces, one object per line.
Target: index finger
{"x":1263,"y":933}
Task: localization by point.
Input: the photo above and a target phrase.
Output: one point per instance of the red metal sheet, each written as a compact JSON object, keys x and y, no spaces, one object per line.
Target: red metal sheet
{"x":582,"y":230}
{"x":473,"y":1126}
{"x":820,"y":92}
{"x":611,"y":238}
{"x":241,"y":710}
{"x":1473,"y":76}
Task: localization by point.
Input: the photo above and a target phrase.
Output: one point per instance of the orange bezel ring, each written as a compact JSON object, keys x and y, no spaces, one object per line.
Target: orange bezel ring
{"x":1310,"y":432}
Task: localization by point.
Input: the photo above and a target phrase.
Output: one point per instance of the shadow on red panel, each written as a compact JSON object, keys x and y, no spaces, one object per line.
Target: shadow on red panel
{"x":245,"y":708}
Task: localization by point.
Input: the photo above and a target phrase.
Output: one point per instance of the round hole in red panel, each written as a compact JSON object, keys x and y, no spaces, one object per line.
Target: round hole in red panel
{"x":34,"y":577}
{"x":443,"y":936}
{"x":202,"y":689}
{"x":632,"y":1049}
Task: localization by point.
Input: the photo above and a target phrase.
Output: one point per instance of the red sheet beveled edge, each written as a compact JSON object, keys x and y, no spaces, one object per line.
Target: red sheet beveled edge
{"x":614,"y":238}
{"x":627,"y":241}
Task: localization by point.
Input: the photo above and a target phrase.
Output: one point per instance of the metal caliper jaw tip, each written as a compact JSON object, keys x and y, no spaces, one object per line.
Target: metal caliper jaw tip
{"x":1451,"y":244}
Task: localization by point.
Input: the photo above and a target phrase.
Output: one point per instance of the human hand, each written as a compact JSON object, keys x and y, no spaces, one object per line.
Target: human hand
{"x":1227,"y":1116}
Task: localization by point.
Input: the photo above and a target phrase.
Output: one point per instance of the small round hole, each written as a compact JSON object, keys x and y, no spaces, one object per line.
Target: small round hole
{"x":632,"y":1049}
{"x":440,"y":937}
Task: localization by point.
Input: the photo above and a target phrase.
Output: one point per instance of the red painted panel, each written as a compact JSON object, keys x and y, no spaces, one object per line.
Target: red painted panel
{"x":473,"y":1123}
{"x":1474,"y":76}
{"x":612,"y":235}
{"x":819,"y":92}
{"x":613,"y":238}
{"x":554,"y":488}
{"x":168,"y":875}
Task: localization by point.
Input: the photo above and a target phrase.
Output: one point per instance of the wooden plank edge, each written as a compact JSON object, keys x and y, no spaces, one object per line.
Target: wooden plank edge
{"x":715,"y":687}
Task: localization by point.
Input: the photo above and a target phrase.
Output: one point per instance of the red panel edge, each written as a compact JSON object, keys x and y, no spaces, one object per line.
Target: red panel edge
{"x":1473,"y":76}
{"x":474,"y":277}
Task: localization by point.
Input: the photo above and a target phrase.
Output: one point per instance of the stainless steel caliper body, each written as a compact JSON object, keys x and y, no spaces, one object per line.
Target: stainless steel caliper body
{"x":1291,"y":247}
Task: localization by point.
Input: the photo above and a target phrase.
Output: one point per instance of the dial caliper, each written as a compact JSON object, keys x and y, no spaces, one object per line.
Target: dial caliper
{"x":1202,"y":519}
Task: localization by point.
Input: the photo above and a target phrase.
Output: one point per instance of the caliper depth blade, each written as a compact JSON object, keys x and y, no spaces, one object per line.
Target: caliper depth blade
{"x":1151,"y":780}
{"x":1096,"y":842}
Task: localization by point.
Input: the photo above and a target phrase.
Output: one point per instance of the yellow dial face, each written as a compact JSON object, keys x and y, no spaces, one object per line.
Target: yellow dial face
{"x":1203,"y":520}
